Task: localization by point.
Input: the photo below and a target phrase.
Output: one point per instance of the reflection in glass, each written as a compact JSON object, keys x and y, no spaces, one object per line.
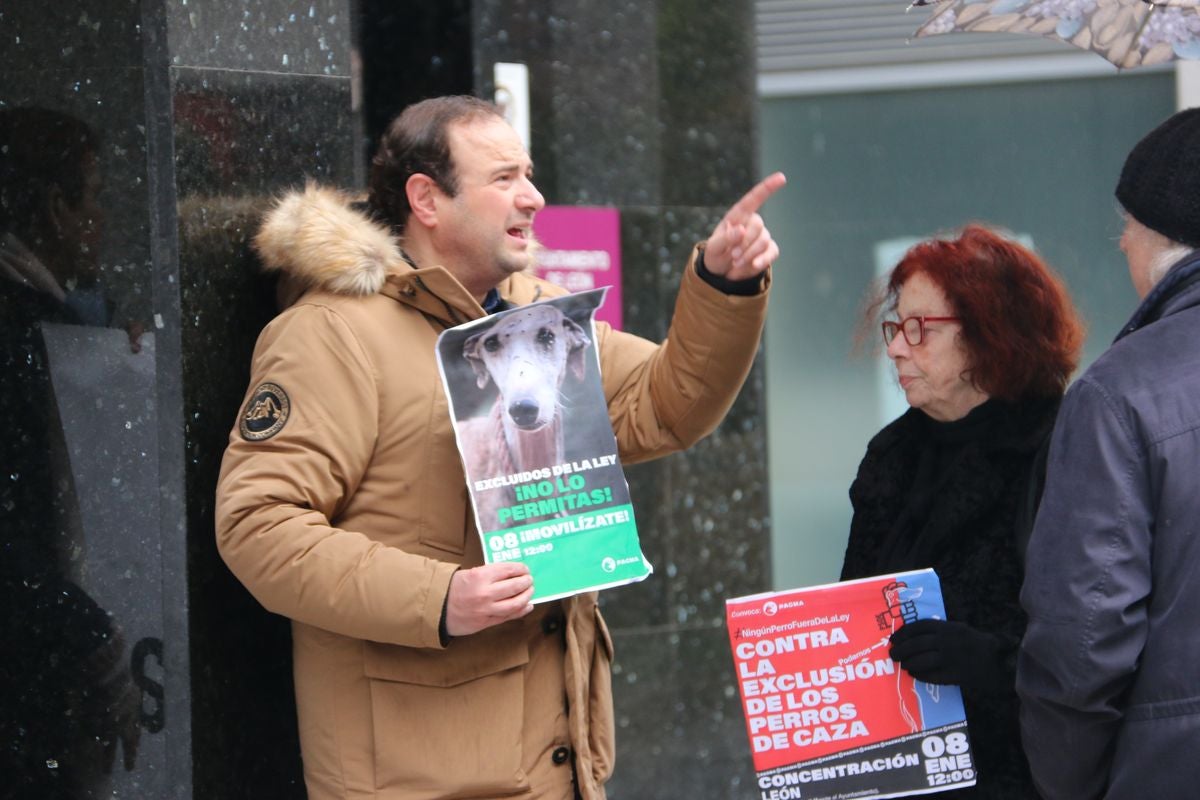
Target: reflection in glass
{"x":71,"y":707}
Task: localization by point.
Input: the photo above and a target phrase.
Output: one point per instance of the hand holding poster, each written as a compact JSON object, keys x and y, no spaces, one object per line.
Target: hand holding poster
{"x":828,"y":713}
{"x":532,"y":425}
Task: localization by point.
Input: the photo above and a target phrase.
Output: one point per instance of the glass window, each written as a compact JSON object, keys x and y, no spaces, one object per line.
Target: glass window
{"x":868,"y":174}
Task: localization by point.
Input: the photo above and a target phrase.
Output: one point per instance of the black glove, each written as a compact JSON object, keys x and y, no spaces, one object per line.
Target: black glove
{"x":938,"y":651}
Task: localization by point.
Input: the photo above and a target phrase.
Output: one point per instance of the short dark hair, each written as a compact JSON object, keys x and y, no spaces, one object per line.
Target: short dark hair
{"x":1019,"y":327}
{"x":40,"y":149}
{"x":418,"y":141}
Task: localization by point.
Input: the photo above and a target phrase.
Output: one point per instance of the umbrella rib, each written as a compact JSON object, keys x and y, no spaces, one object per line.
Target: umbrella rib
{"x":937,"y":14}
{"x":1138,"y":33}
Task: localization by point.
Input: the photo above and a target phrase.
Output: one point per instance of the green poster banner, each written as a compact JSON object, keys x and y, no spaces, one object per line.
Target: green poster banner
{"x":532,"y":426}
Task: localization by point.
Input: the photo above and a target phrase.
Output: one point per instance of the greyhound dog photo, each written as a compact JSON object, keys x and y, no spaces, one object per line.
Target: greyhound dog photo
{"x":527,"y":355}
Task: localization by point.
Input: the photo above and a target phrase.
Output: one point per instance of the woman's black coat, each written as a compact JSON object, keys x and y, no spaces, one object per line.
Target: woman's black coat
{"x":975,"y":507}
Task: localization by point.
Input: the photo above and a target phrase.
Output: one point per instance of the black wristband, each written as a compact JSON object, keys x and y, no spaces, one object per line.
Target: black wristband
{"x":443,"y":634}
{"x":741,"y":288}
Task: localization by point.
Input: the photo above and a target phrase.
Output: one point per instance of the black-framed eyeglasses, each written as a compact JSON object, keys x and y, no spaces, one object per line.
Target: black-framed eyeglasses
{"x":912,"y":327}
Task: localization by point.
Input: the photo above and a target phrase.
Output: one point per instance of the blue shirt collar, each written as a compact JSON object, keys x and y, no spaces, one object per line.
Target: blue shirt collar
{"x":492,"y":302}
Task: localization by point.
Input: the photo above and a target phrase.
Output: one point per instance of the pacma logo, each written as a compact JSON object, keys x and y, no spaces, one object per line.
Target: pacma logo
{"x":771,"y":608}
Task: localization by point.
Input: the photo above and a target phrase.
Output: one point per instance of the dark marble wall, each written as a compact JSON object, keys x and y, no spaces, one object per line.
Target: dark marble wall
{"x":135,"y":666}
{"x":261,"y":101}
{"x":434,"y":59}
{"x":93,"y":681}
{"x":650,"y":107}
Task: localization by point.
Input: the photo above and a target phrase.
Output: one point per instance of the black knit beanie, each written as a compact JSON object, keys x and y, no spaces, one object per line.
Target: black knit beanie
{"x":1160,"y":182}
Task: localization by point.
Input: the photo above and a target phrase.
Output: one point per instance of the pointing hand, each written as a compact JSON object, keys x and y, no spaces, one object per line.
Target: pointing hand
{"x":741,"y":246}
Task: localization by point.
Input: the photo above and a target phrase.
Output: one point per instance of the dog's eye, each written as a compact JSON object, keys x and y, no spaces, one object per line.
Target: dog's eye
{"x":545,"y":337}
{"x":491,"y":344}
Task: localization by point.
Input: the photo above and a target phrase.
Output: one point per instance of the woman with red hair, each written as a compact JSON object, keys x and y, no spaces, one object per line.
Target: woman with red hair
{"x":984,"y":338}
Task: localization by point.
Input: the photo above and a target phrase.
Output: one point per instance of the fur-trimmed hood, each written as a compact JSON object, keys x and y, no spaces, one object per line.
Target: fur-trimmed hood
{"x":320,"y":238}
{"x":317,"y":239}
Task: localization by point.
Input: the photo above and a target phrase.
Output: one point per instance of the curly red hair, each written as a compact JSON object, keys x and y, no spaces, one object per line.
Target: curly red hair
{"x":1020,"y":329}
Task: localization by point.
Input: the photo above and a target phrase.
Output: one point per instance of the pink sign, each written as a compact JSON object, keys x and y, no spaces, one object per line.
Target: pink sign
{"x":582,"y":251}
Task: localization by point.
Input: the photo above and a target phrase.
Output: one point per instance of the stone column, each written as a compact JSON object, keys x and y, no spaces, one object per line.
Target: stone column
{"x":651,"y":107}
{"x":262,"y":99}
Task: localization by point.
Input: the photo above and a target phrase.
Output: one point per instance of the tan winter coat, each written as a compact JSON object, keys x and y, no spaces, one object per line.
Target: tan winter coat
{"x":342,"y":505}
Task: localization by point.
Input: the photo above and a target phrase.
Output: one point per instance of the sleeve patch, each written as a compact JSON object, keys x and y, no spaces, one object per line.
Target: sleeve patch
{"x":265,"y":414}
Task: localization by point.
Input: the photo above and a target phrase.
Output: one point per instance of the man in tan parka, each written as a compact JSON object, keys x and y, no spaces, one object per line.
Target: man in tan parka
{"x":420,"y":672}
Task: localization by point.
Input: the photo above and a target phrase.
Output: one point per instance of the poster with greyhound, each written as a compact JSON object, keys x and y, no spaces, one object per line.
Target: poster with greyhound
{"x":538,"y":448}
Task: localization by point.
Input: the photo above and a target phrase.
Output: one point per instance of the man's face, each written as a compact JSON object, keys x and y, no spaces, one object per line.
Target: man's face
{"x":1140,"y":245}
{"x":485,"y":232}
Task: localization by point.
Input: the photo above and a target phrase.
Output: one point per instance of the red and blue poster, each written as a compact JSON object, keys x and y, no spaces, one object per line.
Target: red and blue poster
{"x":828,"y":713}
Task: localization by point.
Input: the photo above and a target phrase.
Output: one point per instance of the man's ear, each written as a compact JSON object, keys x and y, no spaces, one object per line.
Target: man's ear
{"x":422,"y":194}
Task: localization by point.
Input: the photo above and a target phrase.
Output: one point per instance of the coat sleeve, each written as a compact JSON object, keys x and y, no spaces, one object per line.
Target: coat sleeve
{"x":1087,"y":583}
{"x":862,"y":545}
{"x":279,"y":497}
{"x":664,"y":398}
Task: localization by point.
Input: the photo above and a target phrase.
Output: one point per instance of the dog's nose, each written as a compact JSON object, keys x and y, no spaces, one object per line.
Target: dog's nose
{"x":524,"y":413}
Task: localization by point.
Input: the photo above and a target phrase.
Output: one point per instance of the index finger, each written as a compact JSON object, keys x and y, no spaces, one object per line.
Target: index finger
{"x":753,"y":200}
{"x":503,"y":570}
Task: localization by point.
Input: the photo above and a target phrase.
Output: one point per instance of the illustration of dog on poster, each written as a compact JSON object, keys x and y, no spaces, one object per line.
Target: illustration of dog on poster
{"x":525,"y":392}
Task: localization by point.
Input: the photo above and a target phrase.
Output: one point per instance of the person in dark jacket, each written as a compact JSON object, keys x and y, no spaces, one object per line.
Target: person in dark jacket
{"x":1110,"y":691}
{"x":984,"y":338}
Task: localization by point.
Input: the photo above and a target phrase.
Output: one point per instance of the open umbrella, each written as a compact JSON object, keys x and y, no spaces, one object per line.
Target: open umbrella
{"x":1129,"y":33}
